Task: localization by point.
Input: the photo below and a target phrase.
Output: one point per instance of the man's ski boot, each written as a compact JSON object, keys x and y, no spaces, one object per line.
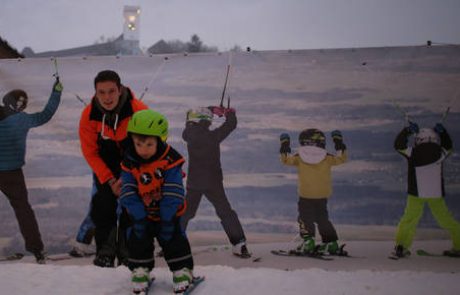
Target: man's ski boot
{"x":307,"y":246}
{"x":332,"y":248}
{"x":40,"y":257}
{"x":241,"y":250}
{"x":140,"y":280}
{"x":451,"y":253}
{"x":104,"y":261}
{"x":401,"y":252}
{"x":181,"y":280}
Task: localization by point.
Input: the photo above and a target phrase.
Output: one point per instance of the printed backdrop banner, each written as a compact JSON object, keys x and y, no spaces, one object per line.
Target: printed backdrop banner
{"x":364,"y":92}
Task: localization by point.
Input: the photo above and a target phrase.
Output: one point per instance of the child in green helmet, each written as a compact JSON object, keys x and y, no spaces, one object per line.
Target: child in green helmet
{"x":152,"y":195}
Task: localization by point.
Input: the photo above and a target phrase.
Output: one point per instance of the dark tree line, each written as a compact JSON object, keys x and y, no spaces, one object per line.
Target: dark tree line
{"x":176,"y":46}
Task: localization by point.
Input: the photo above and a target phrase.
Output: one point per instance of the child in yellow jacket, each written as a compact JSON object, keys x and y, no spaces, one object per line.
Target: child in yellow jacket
{"x":314,"y":165}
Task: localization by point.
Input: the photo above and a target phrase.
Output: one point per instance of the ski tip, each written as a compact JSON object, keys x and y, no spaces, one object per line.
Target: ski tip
{"x":195,"y":282}
{"x":278,"y":252}
{"x":243,"y":256}
{"x":198,"y":278}
{"x":421,"y":252}
{"x":257,"y":259}
{"x":12,"y":257}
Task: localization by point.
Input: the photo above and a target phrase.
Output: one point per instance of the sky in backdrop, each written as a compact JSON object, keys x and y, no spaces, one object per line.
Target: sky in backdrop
{"x":261,"y":24}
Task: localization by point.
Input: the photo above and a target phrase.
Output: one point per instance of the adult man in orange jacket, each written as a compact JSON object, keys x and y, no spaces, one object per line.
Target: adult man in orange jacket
{"x":102,"y":131}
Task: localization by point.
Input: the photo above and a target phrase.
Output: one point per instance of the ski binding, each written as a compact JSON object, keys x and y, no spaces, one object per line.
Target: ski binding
{"x":315,"y":255}
{"x":195,"y":282}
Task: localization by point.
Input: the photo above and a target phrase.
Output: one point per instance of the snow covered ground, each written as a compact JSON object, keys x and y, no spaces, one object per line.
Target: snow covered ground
{"x":370,"y":272}
{"x":53,"y":279}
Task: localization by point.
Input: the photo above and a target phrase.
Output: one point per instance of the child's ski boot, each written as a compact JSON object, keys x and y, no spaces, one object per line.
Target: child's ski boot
{"x":181,"y":280}
{"x":241,"y":250}
{"x":401,"y":252}
{"x":40,"y":257}
{"x":332,"y":248}
{"x":140,"y":280}
{"x":307,"y":246}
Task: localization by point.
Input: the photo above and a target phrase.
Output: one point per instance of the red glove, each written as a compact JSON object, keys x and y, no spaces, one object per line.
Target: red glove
{"x":218,"y":111}
{"x":228,"y":111}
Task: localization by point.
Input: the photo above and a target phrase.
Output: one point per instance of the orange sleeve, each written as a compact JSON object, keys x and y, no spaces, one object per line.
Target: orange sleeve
{"x":138,"y":105}
{"x":88,"y":141}
{"x":89,"y":130}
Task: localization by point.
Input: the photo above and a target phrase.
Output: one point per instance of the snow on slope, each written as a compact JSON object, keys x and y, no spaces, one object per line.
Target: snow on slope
{"x":52,"y":279}
{"x":370,"y":273}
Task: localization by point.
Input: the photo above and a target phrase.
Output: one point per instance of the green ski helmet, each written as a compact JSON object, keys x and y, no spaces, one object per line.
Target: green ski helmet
{"x":149,"y":122}
{"x":198,"y":114}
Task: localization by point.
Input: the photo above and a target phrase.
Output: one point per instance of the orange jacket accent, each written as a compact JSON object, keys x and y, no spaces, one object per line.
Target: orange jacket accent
{"x":91,"y":123}
{"x":150,"y":179}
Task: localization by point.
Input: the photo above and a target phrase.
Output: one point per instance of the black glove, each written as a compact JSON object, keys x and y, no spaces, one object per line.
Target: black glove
{"x":439,"y":128}
{"x":338,"y":140}
{"x":412,"y":128}
{"x":229,"y":111}
{"x":285,"y":144}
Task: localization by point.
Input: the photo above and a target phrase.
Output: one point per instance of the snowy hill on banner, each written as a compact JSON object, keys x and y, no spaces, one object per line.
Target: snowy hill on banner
{"x":273,"y":92}
{"x":369,"y":273}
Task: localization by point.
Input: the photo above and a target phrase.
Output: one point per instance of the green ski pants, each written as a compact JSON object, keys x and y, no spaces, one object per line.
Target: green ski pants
{"x":412,"y":214}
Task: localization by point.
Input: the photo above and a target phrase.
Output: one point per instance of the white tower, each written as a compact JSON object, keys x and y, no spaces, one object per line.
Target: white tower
{"x":131,"y":14}
{"x":131,"y":25}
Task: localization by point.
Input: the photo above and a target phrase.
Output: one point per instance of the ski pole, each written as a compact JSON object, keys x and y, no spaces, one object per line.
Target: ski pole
{"x":155,"y":74}
{"x":226,"y":80}
{"x":444,"y":116}
{"x":452,"y":100}
{"x":80,"y":99}
{"x":56,"y":73}
{"x":404,"y":112}
{"x":225,"y":86}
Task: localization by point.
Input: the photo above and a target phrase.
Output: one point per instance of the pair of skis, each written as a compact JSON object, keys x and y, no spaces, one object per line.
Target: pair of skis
{"x":421,"y":252}
{"x":12,"y":257}
{"x":195,"y":282}
{"x":316,"y":254}
{"x":66,"y":256}
{"x":300,"y":254}
{"x":57,"y":257}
